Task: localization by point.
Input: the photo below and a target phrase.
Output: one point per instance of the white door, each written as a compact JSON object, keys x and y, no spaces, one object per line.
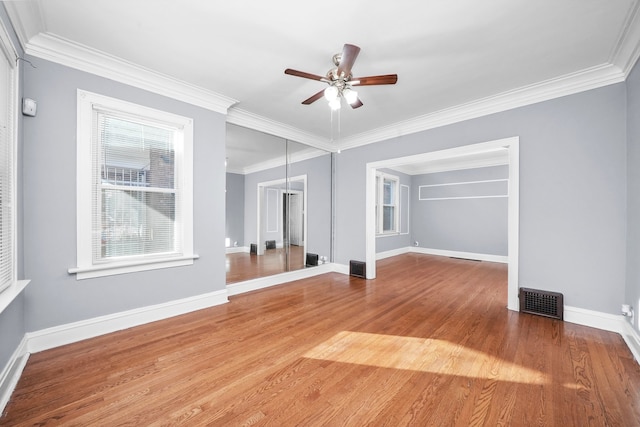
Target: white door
{"x":293,"y":218}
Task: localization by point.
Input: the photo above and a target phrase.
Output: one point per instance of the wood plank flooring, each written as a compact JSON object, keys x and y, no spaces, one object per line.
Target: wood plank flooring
{"x":243,"y":266}
{"x":428,"y":343}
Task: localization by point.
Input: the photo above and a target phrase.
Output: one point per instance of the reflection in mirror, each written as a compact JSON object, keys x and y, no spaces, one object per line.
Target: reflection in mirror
{"x":274,"y":189}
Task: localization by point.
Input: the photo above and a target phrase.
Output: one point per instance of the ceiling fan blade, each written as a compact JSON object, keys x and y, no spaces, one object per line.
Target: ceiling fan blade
{"x":387,"y":79}
{"x":357,"y":104}
{"x":349,"y":54}
{"x":305,"y":75}
{"x":313,"y":98}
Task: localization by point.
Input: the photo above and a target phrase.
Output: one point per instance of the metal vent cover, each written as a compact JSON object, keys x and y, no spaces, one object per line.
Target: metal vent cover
{"x":358,"y":269}
{"x":542,"y":303}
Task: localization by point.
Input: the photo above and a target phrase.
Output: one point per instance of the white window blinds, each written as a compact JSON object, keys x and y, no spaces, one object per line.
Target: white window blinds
{"x":7,"y":165}
{"x":136,"y":196}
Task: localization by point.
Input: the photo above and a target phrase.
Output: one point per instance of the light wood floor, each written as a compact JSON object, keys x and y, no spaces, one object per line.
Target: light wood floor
{"x":243,"y":266}
{"x":429,"y":342}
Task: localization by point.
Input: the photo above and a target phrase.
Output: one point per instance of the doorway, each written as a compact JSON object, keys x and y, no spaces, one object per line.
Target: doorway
{"x":512,"y":145}
{"x":293,"y":218}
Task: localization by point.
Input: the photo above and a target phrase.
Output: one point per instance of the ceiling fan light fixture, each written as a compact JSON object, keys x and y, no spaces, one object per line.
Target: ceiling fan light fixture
{"x":350,"y":95}
{"x":331,"y":93}
{"x":334,"y":104}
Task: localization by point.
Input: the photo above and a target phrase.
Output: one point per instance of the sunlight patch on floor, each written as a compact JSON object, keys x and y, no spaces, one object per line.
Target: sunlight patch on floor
{"x":420,"y":354}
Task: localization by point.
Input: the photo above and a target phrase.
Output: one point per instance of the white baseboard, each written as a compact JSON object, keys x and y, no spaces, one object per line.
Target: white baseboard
{"x":341,"y":268}
{"x":632,"y":338}
{"x":457,"y":254}
{"x":277,"y":279}
{"x":72,"y":332}
{"x":393,"y":252}
{"x":593,"y":319}
{"x":607,"y":322}
{"x":12,"y":372}
{"x":237,"y":250}
{"x":442,"y":252}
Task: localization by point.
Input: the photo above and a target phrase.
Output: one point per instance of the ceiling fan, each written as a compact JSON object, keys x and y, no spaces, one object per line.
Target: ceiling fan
{"x":341,"y":81}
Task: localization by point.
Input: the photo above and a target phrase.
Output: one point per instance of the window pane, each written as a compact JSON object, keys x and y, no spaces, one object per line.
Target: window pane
{"x":388,"y":218}
{"x":389,"y":192}
{"x":137,"y":223}
{"x":136,"y":154}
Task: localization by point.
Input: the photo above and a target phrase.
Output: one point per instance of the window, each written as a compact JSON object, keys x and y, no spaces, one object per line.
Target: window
{"x":135,"y":198}
{"x":386,"y":203}
{"x":8,"y":99}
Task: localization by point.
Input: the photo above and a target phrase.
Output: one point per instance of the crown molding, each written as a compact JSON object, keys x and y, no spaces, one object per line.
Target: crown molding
{"x":31,"y":31}
{"x":250,"y":120}
{"x":26,"y":18}
{"x":627,"y":49}
{"x":280,"y":161}
{"x":570,"y":84}
{"x":64,"y":52}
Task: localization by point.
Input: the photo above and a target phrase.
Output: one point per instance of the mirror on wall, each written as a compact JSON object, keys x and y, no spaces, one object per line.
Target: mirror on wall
{"x":278,"y":205}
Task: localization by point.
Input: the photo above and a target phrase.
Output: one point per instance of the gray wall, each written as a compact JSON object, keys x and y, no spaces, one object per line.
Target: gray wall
{"x":633,"y":193}
{"x":466,"y":225}
{"x":318,"y":171}
{"x":55,"y":297}
{"x":234,"y":209}
{"x":12,"y":325}
{"x":572,"y":191}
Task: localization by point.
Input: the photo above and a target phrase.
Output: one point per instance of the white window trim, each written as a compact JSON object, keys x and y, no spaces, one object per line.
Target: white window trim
{"x":86,"y":268}
{"x":15,"y":287}
{"x":380,"y":207}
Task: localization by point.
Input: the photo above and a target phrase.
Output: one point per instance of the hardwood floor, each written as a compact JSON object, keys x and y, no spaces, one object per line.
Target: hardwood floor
{"x":429,"y":342}
{"x":243,"y":266}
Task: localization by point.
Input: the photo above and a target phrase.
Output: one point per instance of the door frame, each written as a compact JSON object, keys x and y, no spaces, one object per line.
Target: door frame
{"x":261,"y":200}
{"x":284,"y":193}
{"x":513,"y":215}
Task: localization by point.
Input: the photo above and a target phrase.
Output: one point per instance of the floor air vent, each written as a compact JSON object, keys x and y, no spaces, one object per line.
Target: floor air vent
{"x":542,"y":303}
{"x":358,"y":269}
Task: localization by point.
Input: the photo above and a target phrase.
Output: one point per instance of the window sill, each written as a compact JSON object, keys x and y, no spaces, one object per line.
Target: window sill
{"x":395,"y":233}
{"x":11,"y":293}
{"x":111,"y":269}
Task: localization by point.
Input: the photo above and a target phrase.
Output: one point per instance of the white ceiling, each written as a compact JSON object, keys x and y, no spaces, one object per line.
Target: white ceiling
{"x":454,"y":59}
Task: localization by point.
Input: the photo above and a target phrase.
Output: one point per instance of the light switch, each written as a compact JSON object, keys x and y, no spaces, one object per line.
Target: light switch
{"x":29,"y":107}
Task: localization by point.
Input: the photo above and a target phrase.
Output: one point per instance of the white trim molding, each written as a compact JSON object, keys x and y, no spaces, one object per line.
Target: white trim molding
{"x":12,"y":371}
{"x":70,"y":54}
{"x":504,"y":259}
{"x":238,"y":249}
{"x":11,"y":293}
{"x":278,"y":279}
{"x":77,"y":331}
{"x":607,"y":322}
{"x":632,"y":338}
{"x":441,"y":252}
{"x":35,"y":40}
{"x":512,"y":144}
{"x":250,"y":120}
{"x":591,"y":78}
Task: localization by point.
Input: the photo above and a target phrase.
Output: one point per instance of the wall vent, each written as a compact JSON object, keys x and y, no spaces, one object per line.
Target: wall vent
{"x":270,"y":244}
{"x":542,"y":303}
{"x":358,"y":269}
{"x":312,"y":260}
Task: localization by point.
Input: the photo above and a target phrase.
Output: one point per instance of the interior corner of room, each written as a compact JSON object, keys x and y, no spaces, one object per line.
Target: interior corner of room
{"x":135,"y":189}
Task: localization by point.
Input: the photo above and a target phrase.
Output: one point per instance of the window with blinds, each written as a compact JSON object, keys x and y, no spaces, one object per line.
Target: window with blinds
{"x":135,"y":202}
{"x":7,"y":170}
{"x":135,"y":192}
